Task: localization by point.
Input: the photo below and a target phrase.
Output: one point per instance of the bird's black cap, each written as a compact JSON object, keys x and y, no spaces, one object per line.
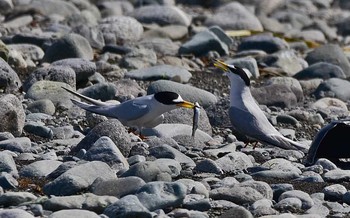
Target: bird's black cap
{"x":239,"y":71}
{"x":168,"y":98}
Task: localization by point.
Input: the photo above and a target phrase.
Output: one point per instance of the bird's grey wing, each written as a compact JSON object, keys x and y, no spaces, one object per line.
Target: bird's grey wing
{"x":247,"y":123}
{"x":132,"y":110}
{"x":124,"y":112}
{"x":262,"y":130}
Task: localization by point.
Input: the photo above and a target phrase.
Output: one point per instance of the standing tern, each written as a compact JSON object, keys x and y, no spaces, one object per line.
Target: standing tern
{"x":245,"y":114}
{"x":142,"y":112}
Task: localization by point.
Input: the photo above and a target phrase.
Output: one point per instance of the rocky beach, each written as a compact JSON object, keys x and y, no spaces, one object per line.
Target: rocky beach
{"x":58,"y":160}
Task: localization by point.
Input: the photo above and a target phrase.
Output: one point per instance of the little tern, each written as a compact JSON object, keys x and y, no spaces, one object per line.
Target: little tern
{"x":141,"y":112}
{"x":245,"y":114}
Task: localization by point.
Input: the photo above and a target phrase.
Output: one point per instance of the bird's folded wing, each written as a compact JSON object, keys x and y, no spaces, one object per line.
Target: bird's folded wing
{"x":248,"y":124}
{"x":131,"y":110}
{"x":124,"y":112}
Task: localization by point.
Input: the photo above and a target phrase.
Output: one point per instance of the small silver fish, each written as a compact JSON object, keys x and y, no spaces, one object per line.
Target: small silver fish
{"x":196,"y":113}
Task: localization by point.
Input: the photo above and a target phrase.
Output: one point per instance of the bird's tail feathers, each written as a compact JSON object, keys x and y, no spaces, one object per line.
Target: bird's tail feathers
{"x":90,"y":100}
{"x":297,"y":145}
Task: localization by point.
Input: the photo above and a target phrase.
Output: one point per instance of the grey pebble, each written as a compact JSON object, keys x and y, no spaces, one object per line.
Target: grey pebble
{"x":153,"y":171}
{"x":319,"y":209}
{"x":42,"y":106}
{"x":100,"y":91}
{"x":174,"y":32}
{"x":39,"y":168}
{"x":194,"y":187}
{"x":334,"y":87}
{"x":277,"y":174}
{"x":334,"y":192}
{"x":346,"y":197}
{"x":264,"y":42}
{"x":50,"y":90}
{"x":12,"y":115}
{"x":278,"y":95}
{"x":287,"y":61}
{"x":118,"y":187}
{"x":221,"y":151}
{"x":38,"y":129}
{"x":305,"y":198}
{"x":78,"y":213}
{"x":128,"y":206}
{"x":234,"y":16}
{"x":236,"y":194}
{"x":290,"y":82}
{"x":289,"y":204}
{"x":82,"y":67}
{"x":309,"y":176}
{"x":326,"y":164}
{"x":160,"y":72}
{"x":5,"y":136}
{"x":162,"y":15}
{"x":196,"y":202}
{"x":105,"y":150}
{"x":330,"y":53}
{"x":208,"y":166}
{"x":15,"y":198}
{"x":10,"y":81}
{"x":166,"y":151}
{"x":92,"y":33}
{"x":179,"y":212}
{"x":86,"y":201}
{"x":139,"y":58}
{"x":78,"y":178}
{"x":336,"y":175}
{"x":111,"y":128}
{"x":18,"y":213}
{"x":29,"y":51}
{"x":7,"y":181}
{"x":161,"y":46}
{"x":63,"y":167}
{"x":330,"y":107}
{"x":50,"y":7}
{"x":21,"y":144}
{"x":7,"y":164}
{"x":38,"y":117}
{"x":69,"y":46}
{"x":63,"y":132}
{"x":160,"y":195}
{"x":204,"y":42}
{"x":322,"y":70}
{"x":237,"y":211}
{"x":262,"y":207}
{"x":56,"y":73}
{"x":117,"y":28}
{"x":233,"y":162}
{"x":260,"y":186}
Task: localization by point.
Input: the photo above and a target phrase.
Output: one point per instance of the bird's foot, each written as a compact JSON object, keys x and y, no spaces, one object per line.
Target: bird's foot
{"x":254,"y":145}
{"x":135,"y":132}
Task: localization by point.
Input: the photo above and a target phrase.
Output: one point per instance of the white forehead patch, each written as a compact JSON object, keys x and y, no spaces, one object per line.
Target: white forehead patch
{"x":178,"y":100}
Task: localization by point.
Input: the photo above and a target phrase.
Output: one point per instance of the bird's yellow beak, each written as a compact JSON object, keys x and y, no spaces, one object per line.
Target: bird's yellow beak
{"x":186,"y":104}
{"x":221,"y":65}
